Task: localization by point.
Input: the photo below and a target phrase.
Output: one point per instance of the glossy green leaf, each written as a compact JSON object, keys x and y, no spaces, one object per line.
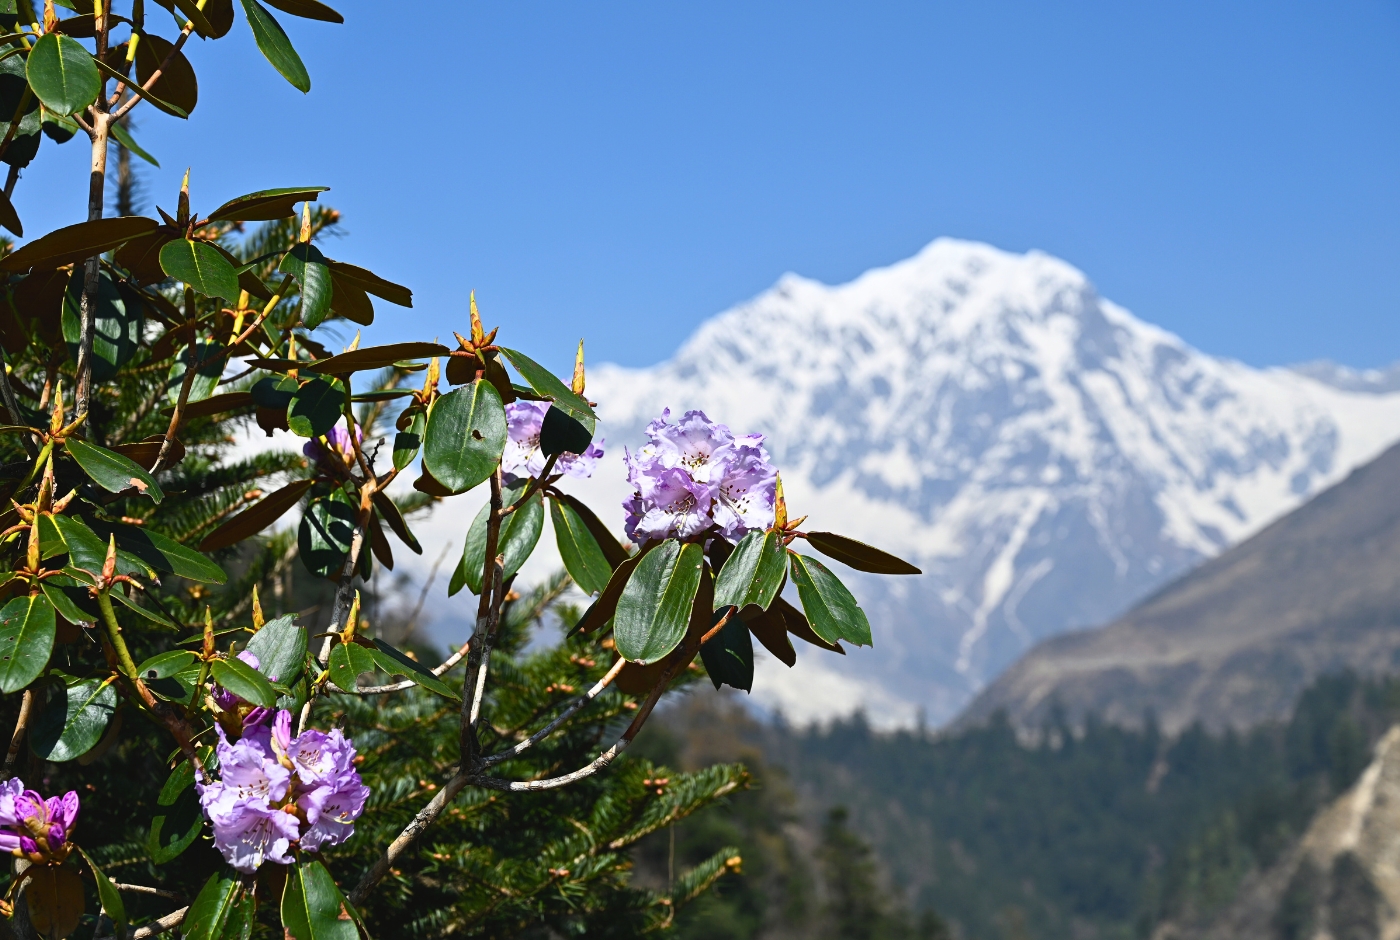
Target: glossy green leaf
{"x":583,"y":559}
{"x":607,"y":542}
{"x":308,"y":266}
{"x":654,"y":609}
{"x":211,"y":910}
{"x":62,"y":74}
{"x":77,"y":242}
{"x":407,"y":443}
{"x":266,"y":205}
{"x":520,"y":533}
{"x":72,"y":719}
{"x":175,"y":829}
{"x":561,"y":434}
{"x":167,"y":674}
{"x":275,"y":46}
{"x":149,"y":613}
{"x":113,"y":472}
{"x":201,"y":266}
{"x":27,"y":628}
{"x":858,"y":555}
{"x":316,"y":407}
{"x":159,"y":552}
{"x":109,"y":897}
{"x":313,"y":907}
{"x":274,"y":391}
{"x":396,"y":663}
{"x":116,"y":325}
{"x":308,"y":9}
{"x":728,"y":657}
{"x":281,"y":649}
{"x":87,"y":550}
{"x":754,"y":572}
{"x":346,"y":662}
{"x":244,"y":681}
{"x":550,"y":388}
{"x":74,"y":604}
{"x":325,"y":533}
{"x":123,"y":137}
{"x":465,"y":436}
{"x":830,"y":607}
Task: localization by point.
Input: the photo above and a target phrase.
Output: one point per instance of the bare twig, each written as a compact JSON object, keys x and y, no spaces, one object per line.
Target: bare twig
{"x":143,"y":889}
{"x":26,"y":706}
{"x":574,"y":706}
{"x":155,"y":928}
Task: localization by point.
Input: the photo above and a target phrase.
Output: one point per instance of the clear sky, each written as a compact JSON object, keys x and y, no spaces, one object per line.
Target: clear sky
{"x":622,"y":170}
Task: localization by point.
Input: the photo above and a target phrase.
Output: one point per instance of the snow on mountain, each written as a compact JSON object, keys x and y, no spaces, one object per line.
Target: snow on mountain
{"x":1043,"y":455}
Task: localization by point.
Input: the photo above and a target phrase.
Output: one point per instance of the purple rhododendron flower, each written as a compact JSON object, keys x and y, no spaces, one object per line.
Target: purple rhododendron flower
{"x":34,"y":827}
{"x":341,"y":448}
{"x":275,"y":790}
{"x":524,"y":459}
{"x":695,"y":474}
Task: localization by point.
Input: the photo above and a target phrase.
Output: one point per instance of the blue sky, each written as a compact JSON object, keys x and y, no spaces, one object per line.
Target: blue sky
{"x":623,"y":170}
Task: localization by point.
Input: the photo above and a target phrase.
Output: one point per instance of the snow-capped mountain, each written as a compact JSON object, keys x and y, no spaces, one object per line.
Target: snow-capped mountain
{"x":1043,"y":455}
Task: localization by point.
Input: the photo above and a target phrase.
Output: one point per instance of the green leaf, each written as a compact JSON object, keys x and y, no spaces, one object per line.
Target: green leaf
{"x":158,"y":552}
{"x":63,"y":74}
{"x":551,"y":389}
{"x":316,"y":407}
{"x":381,"y":394}
{"x":175,"y":830}
{"x":123,"y":137}
{"x":244,"y":681}
{"x":308,"y":9}
{"x":407,"y":443}
{"x":275,"y":46}
{"x":281,"y":649}
{"x":520,"y":532}
{"x":654,"y":610}
{"x":465,"y":436}
{"x":166,"y":674}
{"x":27,"y":629}
{"x":116,"y":325}
{"x":312,"y":906}
{"x":274,"y":391}
{"x":612,"y":549}
{"x":728,"y":657}
{"x":107,"y":893}
{"x":308,"y":266}
{"x":561,"y":434}
{"x":376,"y":357}
{"x":155,"y":616}
{"x":9,"y":217}
{"x":754,"y":572}
{"x":346,"y":662}
{"x":830,"y":608}
{"x":858,"y":555}
{"x":201,"y":266}
{"x":210,"y":911}
{"x":323,"y":538}
{"x":209,"y":368}
{"x":72,"y":719}
{"x":74,"y":604}
{"x":266,"y":205}
{"x":113,"y":472}
{"x":77,"y":242}
{"x":583,"y":559}
{"x":396,"y":663}
{"x":87,"y":550}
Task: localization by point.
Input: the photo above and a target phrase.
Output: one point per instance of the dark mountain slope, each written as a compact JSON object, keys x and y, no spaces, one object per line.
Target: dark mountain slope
{"x":1234,"y":642}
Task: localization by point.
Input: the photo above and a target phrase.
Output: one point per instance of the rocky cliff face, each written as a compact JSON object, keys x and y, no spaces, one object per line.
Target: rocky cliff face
{"x":1047,"y":458}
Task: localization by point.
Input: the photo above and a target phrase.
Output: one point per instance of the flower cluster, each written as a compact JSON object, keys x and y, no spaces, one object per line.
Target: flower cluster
{"x":275,"y":790}
{"x":33,"y":827}
{"x":695,"y":474}
{"x":524,"y":459}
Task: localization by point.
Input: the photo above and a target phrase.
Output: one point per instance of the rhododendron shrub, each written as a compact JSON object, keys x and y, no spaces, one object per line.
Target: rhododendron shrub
{"x":270,"y":778}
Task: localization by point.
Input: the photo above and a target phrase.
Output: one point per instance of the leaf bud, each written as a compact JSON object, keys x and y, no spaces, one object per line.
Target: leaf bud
{"x":578,"y":370}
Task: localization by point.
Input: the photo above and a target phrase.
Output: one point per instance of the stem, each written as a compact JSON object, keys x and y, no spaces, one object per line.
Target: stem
{"x":488,"y":609}
{"x":21,"y":725}
{"x":97,"y":182}
{"x":343,"y":594}
{"x":425,"y":818}
{"x":574,"y":706}
{"x":12,"y":406}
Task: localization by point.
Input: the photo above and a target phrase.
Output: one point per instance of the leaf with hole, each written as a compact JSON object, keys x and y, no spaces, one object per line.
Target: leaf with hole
{"x":465,"y":436}
{"x":858,"y":555}
{"x":831,"y":609}
{"x":27,"y":628}
{"x":63,"y":74}
{"x":654,"y":609}
{"x":316,"y":407}
{"x":244,"y":681}
{"x":257,"y":517}
{"x":72,"y":719}
{"x":275,"y":46}
{"x":113,"y":472}
{"x":582,"y":557}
